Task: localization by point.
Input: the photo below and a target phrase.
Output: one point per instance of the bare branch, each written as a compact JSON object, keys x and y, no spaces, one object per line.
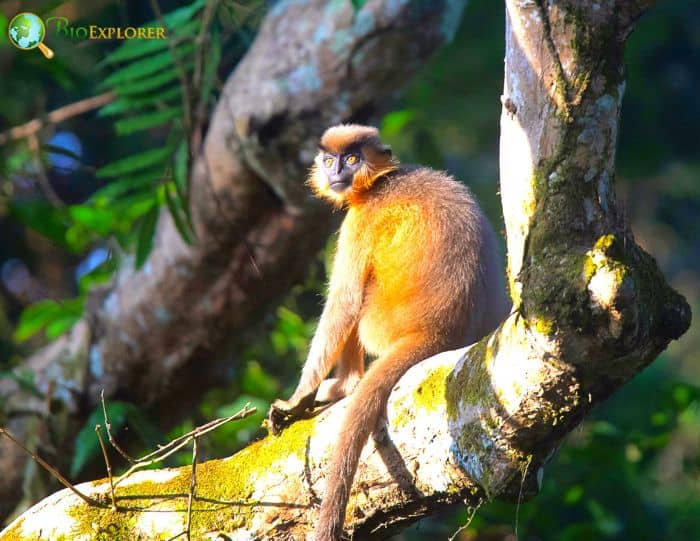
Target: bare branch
{"x":108,"y":465}
{"x":54,"y":117}
{"x":49,"y":468}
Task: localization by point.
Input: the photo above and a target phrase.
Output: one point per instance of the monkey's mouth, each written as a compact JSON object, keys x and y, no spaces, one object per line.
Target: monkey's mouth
{"x":339,"y":185}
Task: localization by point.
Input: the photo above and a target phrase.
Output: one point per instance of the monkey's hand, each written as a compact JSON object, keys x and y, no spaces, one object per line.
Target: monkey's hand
{"x":285,"y":412}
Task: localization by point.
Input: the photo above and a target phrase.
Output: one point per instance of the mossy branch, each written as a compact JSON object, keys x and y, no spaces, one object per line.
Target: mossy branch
{"x":591,"y":309}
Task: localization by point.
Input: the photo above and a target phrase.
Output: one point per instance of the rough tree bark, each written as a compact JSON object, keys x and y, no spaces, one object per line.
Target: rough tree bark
{"x":591,"y":310}
{"x":161,"y":336}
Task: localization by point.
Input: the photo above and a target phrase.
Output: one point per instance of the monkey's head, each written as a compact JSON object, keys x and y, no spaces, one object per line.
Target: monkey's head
{"x":350,"y":159}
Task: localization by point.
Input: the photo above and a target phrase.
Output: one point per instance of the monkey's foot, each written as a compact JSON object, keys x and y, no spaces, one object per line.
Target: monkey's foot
{"x":284,"y":412}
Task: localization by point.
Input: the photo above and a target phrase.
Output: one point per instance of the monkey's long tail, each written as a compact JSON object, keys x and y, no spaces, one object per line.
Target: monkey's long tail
{"x":366,"y":405}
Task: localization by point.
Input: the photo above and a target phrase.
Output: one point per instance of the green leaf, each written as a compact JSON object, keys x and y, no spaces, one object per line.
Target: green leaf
{"x":394,"y":123}
{"x":257,"y":382}
{"x":120,"y":187}
{"x":137,"y":205}
{"x":17,"y":161}
{"x":147,"y":431}
{"x":42,"y":217}
{"x":55,"y":316}
{"x":4,"y":22}
{"x":34,"y":318}
{"x":290,"y":323}
{"x":573,"y":495}
{"x":244,"y":428}
{"x":148,"y":66}
{"x":79,"y":237}
{"x":357,"y":4}
{"x":605,"y":521}
{"x":211,"y":64}
{"x":101,"y":274}
{"x":146,"y":121}
{"x":660,"y":418}
{"x":136,"y":162}
{"x":129,"y":104}
{"x":178,"y":214}
{"x":290,"y":333}
{"x":147,"y":229}
{"x":178,"y":17}
{"x":99,"y":220}
{"x":151,"y":83}
{"x":137,"y":48}
{"x":60,"y":325}
{"x":87,"y":446}
{"x":181,"y":166}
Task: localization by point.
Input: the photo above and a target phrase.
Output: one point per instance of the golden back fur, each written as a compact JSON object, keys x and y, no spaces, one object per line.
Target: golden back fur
{"x":416,"y":272}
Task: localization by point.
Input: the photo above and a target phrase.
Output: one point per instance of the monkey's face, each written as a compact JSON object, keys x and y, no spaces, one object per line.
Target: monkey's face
{"x":340,"y":169}
{"x":350,"y":159}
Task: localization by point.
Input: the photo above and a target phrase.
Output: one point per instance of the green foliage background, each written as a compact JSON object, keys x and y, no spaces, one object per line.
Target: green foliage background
{"x":631,"y":471}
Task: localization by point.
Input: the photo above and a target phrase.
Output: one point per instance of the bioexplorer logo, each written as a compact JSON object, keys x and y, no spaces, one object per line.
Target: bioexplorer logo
{"x":27,"y":31}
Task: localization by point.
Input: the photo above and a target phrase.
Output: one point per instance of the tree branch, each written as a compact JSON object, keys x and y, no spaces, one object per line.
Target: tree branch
{"x":270,"y":489}
{"x":56,"y":116}
{"x":590,"y":311}
{"x":162,"y":335}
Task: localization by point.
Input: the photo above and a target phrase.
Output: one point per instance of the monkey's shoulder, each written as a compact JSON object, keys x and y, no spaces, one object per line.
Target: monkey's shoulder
{"x":415,"y":204}
{"x":427,"y":188}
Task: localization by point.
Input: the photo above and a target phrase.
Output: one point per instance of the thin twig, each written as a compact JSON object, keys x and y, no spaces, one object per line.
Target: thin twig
{"x":175,"y":445}
{"x":42,"y":177}
{"x":181,"y":73}
{"x":108,"y":426}
{"x":53,"y":471}
{"x":196,"y":135}
{"x":107,"y":464}
{"x":56,"y":116}
{"x":193,"y":486}
{"x":203,"y":429}
{"x":523,"y":475}
{"x":466,"y":524}
{"x":140,"y":465}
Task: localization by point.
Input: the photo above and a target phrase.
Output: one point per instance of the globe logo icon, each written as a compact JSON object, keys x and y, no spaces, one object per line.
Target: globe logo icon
{"x":27,"y":31}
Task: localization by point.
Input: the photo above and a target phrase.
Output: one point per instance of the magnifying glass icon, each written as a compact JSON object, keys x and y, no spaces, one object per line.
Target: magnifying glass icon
{"x":27,"y":31}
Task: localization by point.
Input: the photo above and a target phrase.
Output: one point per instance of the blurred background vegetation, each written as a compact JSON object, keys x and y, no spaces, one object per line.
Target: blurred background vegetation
{"x":79,"y":197}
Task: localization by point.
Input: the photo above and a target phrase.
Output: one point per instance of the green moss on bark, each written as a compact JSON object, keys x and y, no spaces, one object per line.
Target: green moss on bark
{"x":224,"y":492}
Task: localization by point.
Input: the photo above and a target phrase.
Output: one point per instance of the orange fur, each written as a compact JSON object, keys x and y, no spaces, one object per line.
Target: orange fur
{"x":415,"y":273}
{"x":338,"y":138}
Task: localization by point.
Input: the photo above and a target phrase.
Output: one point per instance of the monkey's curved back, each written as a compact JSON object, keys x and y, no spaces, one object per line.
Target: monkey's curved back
{"x":433,"y":264}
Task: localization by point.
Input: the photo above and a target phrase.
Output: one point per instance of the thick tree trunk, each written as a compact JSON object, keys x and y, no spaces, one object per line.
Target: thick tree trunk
{"x":591,"y":310}
{"x":161,"y":335}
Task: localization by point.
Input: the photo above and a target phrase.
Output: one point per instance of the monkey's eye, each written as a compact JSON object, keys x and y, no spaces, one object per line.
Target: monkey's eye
{"x":328,"y":161}
{"x":351,"y":160}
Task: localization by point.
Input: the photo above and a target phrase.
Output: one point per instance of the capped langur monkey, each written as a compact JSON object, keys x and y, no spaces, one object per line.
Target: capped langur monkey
{"x":416,"y":272}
